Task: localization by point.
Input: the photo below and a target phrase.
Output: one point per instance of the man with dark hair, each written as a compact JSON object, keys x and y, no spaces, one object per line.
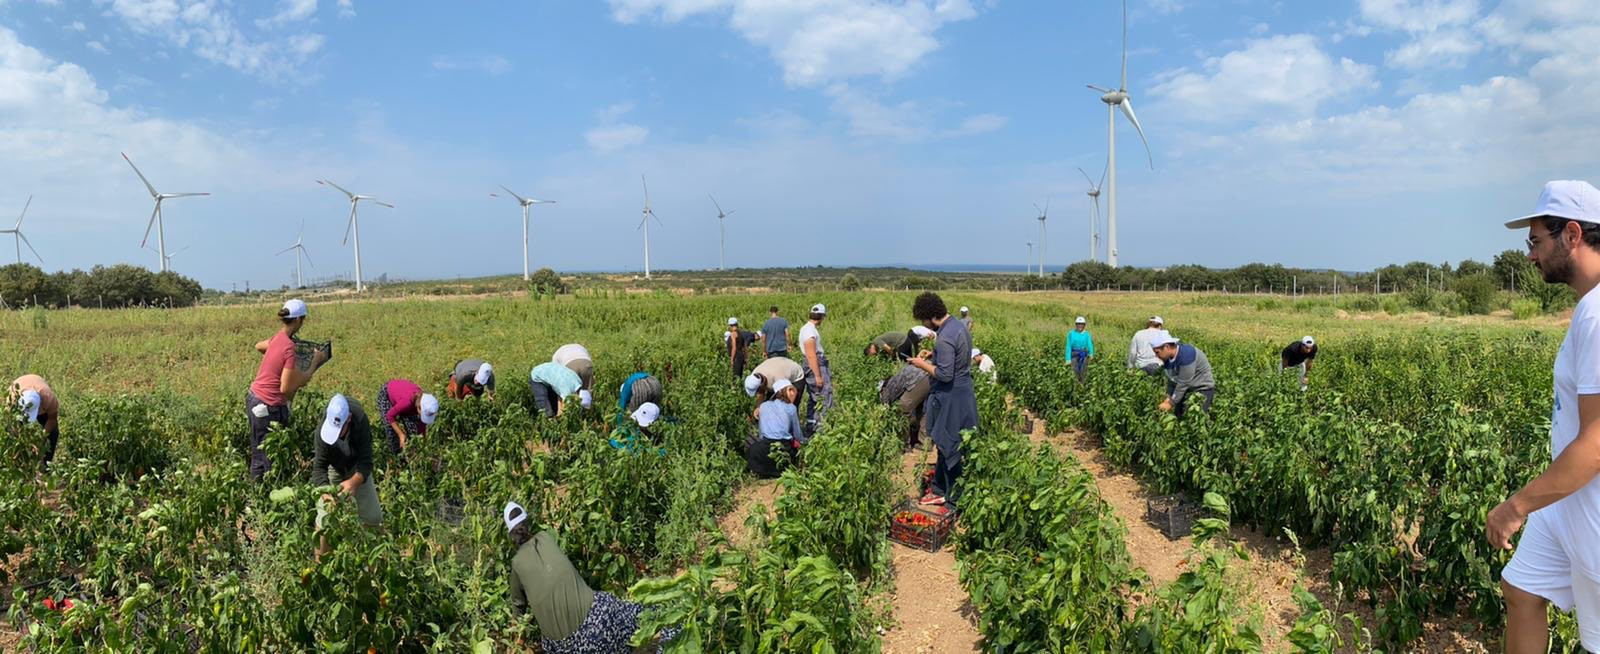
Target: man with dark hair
{"x":898,"y":345}
{"x":775,"y":331}
{"x":1188,"y":374}
{"x":738,"y":342}
{"x":1299,"y":354}
{"x":952,"y":405}
{"x":1557,"y":559}
{"x":819,"y":379}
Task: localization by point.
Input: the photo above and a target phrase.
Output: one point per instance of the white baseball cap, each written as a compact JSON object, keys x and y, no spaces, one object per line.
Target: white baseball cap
{"x":922,"y":332}
{"x":485,"y":371}
{"x":818,"y":308}
{"x":428,"y":408}
{"x":964,"y":310}
{"x":733,"y":321}
{"x":296,"y":308}
{"x":1157,"y":320}
{"x":976,"y":352}
{"x":514,"y":515}
{"x":585,"y":397}
{"x":646,"y":414}
{"x":30,"y":404}
{"x":1564,"y":198}
{"x":1081,"y":320}
{"x":780,"y":385}
{"x":338,"y":416}
{"x":1308,"y":341}
{"x":1163,"y":338}
{"x":752,"y":384}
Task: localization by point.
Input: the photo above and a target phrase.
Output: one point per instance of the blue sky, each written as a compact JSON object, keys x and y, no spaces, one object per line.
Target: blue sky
{"x":1343,"y":134}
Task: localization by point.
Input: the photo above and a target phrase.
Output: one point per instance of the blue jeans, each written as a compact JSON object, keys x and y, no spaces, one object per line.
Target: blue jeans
{"x":1080,"y":363}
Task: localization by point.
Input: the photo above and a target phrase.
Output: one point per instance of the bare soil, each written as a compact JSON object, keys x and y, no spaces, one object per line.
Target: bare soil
{"x":932,"y":614}
{"x":753,"y":493}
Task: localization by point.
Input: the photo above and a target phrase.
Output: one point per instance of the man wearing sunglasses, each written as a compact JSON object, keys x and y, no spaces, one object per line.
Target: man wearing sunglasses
{"x":1558,"y":557}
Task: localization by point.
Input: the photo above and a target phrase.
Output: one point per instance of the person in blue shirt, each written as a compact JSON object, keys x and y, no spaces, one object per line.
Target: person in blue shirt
{"x":777,"y":434}
{"x":1080,"y":347}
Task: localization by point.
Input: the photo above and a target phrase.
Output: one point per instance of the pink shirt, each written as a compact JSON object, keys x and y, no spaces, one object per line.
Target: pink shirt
{"x":279,"y":357}
{"x":403,"y":395}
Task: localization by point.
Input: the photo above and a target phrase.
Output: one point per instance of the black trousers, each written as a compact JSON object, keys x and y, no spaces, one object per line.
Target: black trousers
{"x":260,"y":464}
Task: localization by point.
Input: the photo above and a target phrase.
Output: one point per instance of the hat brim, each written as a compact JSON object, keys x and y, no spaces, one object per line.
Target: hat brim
{"x":330,"y":432}
{"x":33,"y":412}
{"x":426,"y":420}
{"x":1527,"y":221}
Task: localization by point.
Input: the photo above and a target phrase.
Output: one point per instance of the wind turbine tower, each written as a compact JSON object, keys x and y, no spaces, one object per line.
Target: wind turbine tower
{"x":722,"y":233}
{"x":644,"y":223}
{"x":299,"y":250}
{"x":353,"y":226}
{"x":155,"y":216}
{"x":527,"y":203}
{"x":1094,"y":216}
{"x":1114,"y":100}
{"x":1043,"y":213}
{"x":18,"y":238}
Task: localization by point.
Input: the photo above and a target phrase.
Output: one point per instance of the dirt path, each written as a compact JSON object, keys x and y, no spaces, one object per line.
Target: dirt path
{"x":751,"y":494}
{"x":932,"y":614}
{"x":1268,"y":577}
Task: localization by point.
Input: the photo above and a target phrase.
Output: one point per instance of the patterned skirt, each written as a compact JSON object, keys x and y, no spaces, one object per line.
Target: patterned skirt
{"x":607,"y":629}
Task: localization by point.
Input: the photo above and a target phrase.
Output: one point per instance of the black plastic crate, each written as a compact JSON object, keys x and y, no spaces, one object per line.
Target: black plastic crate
{"x":914,"y":526}
{"x":1173,"y":515}
{"x":451,"y":511}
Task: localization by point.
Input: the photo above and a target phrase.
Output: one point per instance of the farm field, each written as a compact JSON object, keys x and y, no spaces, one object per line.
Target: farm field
{"x":1413,"y":428}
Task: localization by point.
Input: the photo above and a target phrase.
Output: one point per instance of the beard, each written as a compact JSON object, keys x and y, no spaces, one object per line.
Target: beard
{"x":1558,"y":269}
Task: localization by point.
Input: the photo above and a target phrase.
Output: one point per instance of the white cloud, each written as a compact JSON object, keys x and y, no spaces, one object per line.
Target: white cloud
{"x":292,"y":11}
{"x":1437,"y":29}
{"x":1281,"y":75}
{"x":211,"y":31}
{"x":77,"y":26}
{"x":818,"y":42}
{"x":1166,"y":6}
{"x":612,"y":138}
{"x":906,"y":121}
{"x":347,"y":8}
{"x":1447,"y":48}
{"x":97,"y":47}
{"x":483,"y":63}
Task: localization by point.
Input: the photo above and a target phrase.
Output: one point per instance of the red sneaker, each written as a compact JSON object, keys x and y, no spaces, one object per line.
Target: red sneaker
{"x":940,"y":510}
{"x":931,"y":500}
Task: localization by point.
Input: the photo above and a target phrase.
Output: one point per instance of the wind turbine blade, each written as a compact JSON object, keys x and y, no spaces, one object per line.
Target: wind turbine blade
{"x":1086,"y":178}
{"x":341,"y":188}
{"x":731,"y":212}
{"x":1047,"y":206}
{"x":302,"y":233}
{"x":714,"y":203}
{"x":28,"y":243}
{"x":646,"y":190}
{"x":24,"y":212}
{"x":641,"y":222}
{"x":513,"y":194}
{"x":1127,"y":110}
{"x":308,"y":255}
{"x":151,"y":225}
{"x":350,"y":224}
{"x":381,"y":203}
{"x":147,"y":184}
{"x":287,"y":249}
{"x":1096,"y":88}
{"x":1124,"y":85}
{"x":1036,"y":208}
{"x":1103,"y":170}
{"x":184,"y":195}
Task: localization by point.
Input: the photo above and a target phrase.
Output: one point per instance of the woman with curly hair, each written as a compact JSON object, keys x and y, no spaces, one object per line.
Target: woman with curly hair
{"x":951,"y":405}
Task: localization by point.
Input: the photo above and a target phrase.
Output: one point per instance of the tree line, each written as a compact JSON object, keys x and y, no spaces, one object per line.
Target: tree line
{"x":120,"y":285}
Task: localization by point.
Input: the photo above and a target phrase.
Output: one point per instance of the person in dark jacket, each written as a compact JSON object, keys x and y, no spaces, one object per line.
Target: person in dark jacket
{"x":471,"y":378}
{"x":952,"y":404}
{"x":907,"y":391}
{"x":1188,"y":374}
{"x":1299,"y":354}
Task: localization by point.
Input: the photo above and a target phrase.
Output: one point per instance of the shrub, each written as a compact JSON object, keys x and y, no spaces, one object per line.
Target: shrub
{"x":849,"y":282}
{"x":1478,"y":293}
{"x":545,"y":281}
{"x":1524,"y":308}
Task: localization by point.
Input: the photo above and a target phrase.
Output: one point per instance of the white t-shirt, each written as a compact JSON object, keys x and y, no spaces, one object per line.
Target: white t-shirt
{"x":809,"y":331}
{"x":1576,"y":517}
{"x":571,"y":352}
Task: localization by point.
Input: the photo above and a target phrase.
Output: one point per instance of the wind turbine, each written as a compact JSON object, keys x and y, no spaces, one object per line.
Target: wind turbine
{"x":644,"y":223}
{"x":1114,"y":100}
{"x":1094,"y":218}
{"x":527,"y":203}
{"x":166,"y":258}
{"x":1030,"y":260}
{"x":722,"y":232}
{"x":1043,"y":213}
{"x":353,"y":225}
{"x":16,"y":234}
{"x":155,"y":216}
{"x":299,"y":249}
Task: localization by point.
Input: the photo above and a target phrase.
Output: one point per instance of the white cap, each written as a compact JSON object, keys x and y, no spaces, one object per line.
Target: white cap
{"x":1564,"y":198}
{"x":338,"y":415}
{"x":964,"y":310}
{"x":30,"y":404}
{"x":976,"y":352}
{"x":818,"y":308}
{"x":1157,"y":320}
{"x":780,"y":385}
{"x":585,"y":398}
{"x":1163,"y":338}
{"x":1308,"y":341}
{"x":296,"y":308}
{"x":752,"y":384}
{"x":428,"y":408}
{"x":646,"y":414}
{"x":733,"y":321}
{"x":922,"y":332}
{"x":1079,"y":321}
{"x":485,"y":371}
{"x":514,"y":515}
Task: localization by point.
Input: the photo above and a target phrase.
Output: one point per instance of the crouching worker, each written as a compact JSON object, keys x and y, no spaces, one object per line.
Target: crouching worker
{"x":39,"y":405}
{"x":778,"y":432}
{"x":343,"y":457}
{"x":572,"y":618}
{"x":907,"y":391}
{"x":552,"y":383}
{"x":637,"y":436}
{"x":637,"y":390}
{"x":471,"y":378}
{"x":407,"y":412}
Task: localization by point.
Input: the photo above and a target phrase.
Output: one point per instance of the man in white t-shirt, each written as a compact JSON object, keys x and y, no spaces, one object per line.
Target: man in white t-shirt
{"x":1558,"y":558}
{"x":819,"y":379}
